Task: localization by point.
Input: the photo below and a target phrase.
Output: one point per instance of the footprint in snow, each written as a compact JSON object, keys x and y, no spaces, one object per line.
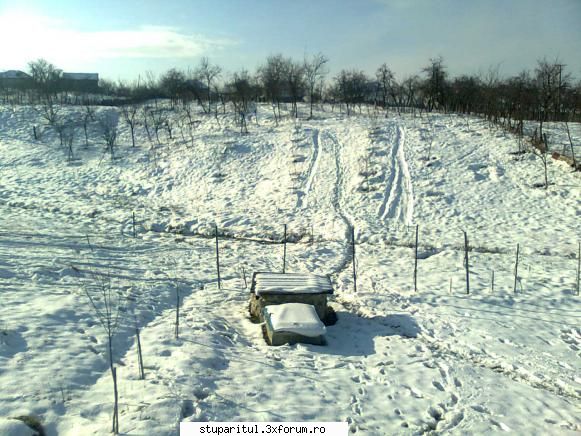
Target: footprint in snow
{"x":452,"y":401}
{"x":500,"y":425}
{"x":436,"y":412}
{"x":416,"y":393}
{"x":480,"y":408}
{"x":438,"y":385}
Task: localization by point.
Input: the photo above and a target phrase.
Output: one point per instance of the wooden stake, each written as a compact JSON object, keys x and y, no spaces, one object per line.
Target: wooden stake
{"x":466,"y":263}
{"x":89,"y":242}
{"x":139,"y":355}
{"x":133,"y":216}
{"x":416,"y":261}
{"x":450,"y":291}
{"x":492,"y":285}
{"x":177,"y":328}
{"x":516,"y":267}
{"x":244,"y":278}
{"x":578,"y":266}
{"x":284,"y":252}
{"x":217,"y":257}
{"x":574,"y":166}
{"x":353,"y":255}
{"x":115,"y":429}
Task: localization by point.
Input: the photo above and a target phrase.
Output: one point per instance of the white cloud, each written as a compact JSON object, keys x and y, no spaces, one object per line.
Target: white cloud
{"x":25,"y":37}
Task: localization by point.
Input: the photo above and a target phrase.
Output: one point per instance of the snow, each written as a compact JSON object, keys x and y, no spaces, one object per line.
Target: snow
{"x":291,"y":283}
{"x":396,"y":362}
{"x":14,"y":427}
{"x":298,"y":318}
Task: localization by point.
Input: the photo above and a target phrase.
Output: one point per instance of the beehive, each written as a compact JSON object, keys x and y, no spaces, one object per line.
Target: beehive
{"x":278,"y":288}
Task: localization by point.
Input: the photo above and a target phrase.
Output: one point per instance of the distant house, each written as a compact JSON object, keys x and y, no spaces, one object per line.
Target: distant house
{"x":15,"y":79}
{"x":80,"y":82}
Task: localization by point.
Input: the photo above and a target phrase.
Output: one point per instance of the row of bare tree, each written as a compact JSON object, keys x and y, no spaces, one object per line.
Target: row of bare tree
{"x":548,"y":93}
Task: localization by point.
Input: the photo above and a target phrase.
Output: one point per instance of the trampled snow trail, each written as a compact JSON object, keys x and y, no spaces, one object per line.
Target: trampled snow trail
{"x":339,"y":183}
{"x":333,"y":147}
{"x":302,"y":202}
{"x":398,"y":201}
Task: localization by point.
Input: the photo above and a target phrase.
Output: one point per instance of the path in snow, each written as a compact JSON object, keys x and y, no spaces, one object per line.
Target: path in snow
{"x":334,"y":148}
{"x":302,"y":202}
{"x":398,"y":202}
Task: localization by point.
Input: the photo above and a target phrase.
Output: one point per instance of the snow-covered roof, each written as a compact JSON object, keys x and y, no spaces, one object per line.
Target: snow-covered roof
{"x":14,"y":74}
{"x":297,"y":318}
{"x":81,"y":76}
{"x":292,"y":283}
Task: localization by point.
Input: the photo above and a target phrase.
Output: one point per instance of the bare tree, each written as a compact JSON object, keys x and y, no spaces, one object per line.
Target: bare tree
{"x":241,"y":90}
{"x":67,"y":135}
{"x":45,"y":77}
{"x":107,"y":304}
{"x":151,"y":86}
{"x":315,"y":72}
{"x":208,"y":73}
{"x":541,"y":150}
{"x":159,"y":120}
{"x":130,"y":116}
{"x":409,"y":92}
{"x":145,"y":114}
{"x":295,"y":80}
{"x":50,"y":111}
{"x":546,"y":79}
{"x":190,"y":122}
{"x":352,"y":87}
{"x":272,"y":77}
{"x":385,"y":79}
{"x":551,"y":85}
{"x":571,"y":144}
{"x":109,"y":122}
{"x":88,"y":115}
{"x":491,"y":97}
{"x":435,"y":85}
{"x":173,"y":83}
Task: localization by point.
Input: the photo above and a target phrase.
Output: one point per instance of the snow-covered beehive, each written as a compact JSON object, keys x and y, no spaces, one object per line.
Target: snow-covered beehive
{"x":293,"y":322}
{"x":277,"y":288}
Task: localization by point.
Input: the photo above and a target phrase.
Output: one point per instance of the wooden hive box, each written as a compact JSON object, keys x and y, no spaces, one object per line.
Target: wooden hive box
{"x":277,"y":288}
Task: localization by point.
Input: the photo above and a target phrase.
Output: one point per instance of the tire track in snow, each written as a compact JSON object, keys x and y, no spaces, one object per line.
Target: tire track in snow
{"x":335,"y":149}
{"x":387,"y":209}
{"x":303,"y":196}
{"x":398,"y":201}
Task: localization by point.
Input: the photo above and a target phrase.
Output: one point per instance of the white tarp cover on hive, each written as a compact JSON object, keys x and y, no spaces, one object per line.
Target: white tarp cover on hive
{"x":297,"y":318}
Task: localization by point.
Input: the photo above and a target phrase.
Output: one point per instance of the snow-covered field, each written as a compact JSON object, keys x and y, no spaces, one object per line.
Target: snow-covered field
{"x":397,"y":361}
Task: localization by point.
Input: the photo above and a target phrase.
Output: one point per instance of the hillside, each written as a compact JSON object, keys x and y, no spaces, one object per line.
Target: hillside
{"x":398,"y":361}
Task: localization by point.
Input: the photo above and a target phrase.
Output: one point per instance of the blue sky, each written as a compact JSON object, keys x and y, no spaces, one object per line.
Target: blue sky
{"x":124,"y":38}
